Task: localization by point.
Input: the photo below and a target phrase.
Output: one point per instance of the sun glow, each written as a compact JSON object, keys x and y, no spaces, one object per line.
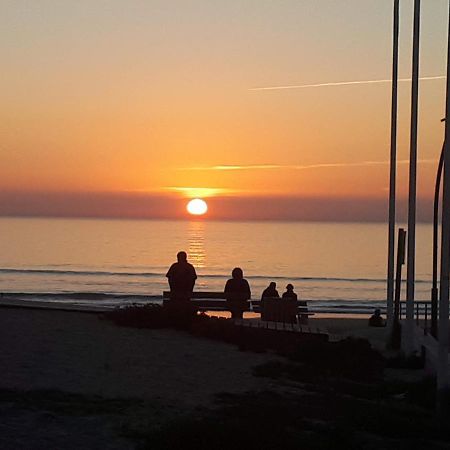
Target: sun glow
{"x":197,"y":207}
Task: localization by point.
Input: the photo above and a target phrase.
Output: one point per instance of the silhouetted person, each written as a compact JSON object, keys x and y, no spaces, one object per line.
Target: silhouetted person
{"x":376,"y":320}
{"x":270,"y":291}
{"x":268,"y":308}
{"x":237,"y":292}
{"x":289,"y":294}
{"x":181,"y":276}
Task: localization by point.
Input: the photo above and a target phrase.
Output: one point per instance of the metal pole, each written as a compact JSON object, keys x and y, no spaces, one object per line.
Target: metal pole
{"x":434,"y":289}
{"x":392,"y":175}
{"x":410,"y":279}
{"x":442,"y":372}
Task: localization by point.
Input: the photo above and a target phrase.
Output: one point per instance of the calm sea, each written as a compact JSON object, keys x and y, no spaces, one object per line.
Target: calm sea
{"x":328,"y":263}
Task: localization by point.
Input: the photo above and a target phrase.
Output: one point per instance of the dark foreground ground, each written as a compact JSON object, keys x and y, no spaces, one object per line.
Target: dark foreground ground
{"x":349,"y":416}
{"x":198,"y":393}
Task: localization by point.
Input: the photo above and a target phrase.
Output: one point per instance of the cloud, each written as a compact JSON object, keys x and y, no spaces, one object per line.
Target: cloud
{"x":304,"y":166}
{"x":342,"y":83}
{"x":199,"y":191}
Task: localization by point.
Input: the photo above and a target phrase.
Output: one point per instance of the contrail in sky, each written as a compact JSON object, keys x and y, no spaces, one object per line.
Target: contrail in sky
{"x":341,"y":83}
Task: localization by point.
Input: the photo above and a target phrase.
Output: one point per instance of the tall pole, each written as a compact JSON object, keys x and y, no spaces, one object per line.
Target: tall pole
{"x":392,"y":175}
{"x":442,"y":372}
{"x":434,"y":288}
{"x":410,"y":280}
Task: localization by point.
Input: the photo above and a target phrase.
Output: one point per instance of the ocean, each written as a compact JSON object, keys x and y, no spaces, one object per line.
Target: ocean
{"x":115,"y":262}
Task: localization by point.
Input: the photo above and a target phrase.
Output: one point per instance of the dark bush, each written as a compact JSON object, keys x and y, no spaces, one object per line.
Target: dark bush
{"x":267,"y":420}
{"x":351,"y":358}
{"x":151,"y":316}
{"x":406,"y":362}
{"x":246,"y":338}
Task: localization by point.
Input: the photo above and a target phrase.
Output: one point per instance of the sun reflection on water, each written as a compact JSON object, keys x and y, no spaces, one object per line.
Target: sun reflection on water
{"x":196,"y":239}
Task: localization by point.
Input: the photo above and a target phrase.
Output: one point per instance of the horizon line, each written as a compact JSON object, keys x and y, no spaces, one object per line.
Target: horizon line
{"x":203,"y":219}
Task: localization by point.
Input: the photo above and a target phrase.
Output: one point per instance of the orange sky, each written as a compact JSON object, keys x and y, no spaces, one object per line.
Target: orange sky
{"x":151,"y":98}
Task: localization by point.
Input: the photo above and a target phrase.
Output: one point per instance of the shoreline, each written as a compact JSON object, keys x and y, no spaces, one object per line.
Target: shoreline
{"x":106,"y":302}
{"x":91,"y":307}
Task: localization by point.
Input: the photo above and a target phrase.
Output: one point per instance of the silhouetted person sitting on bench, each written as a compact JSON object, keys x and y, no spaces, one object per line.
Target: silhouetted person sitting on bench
{"x":270,"y":291}
{"x":289,"y":294}
{"x":181,"y":276}
{"x":237,"y":292}
{"x":376,"y":320}
{"x":268,"y":307}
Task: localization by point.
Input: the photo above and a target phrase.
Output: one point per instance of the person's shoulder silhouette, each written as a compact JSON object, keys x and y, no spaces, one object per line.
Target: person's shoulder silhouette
{"x":289,"y":294}
{"x":238,"y":284}
{"x":270,"y":291}
{"x":181,"y":275}
{"x":237,"y":292}
{"x":376,"y":320}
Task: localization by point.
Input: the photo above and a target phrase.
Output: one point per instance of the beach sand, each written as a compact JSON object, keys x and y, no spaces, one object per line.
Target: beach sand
{"x":161,"y":373}
{"x":78,"y":352}
{"x":172,"y":372}
{"x":340,"y":327}
{"x":81,"y":353}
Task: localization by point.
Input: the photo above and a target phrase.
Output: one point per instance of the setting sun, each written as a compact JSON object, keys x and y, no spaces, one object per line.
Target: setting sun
{"x":197,"y":207}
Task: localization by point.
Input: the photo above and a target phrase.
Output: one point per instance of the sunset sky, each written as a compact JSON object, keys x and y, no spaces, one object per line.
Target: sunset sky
{"x":121,"y":108}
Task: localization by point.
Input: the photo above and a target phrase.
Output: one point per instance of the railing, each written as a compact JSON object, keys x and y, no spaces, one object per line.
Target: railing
{"x":422,"y":311}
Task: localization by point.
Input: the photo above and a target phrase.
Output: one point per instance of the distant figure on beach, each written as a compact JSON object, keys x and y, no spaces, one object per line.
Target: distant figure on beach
{"x":270,"y":291}
{"x":289,"y":294}
{"x":376,"y":320}
{"x":181,"y":276}
{"x":237,"y":292}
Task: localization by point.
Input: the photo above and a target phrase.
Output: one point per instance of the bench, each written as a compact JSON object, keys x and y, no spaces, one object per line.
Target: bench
{"x":212,"y":301}
{"x":206,"y":301}
{"x":275,"y":309}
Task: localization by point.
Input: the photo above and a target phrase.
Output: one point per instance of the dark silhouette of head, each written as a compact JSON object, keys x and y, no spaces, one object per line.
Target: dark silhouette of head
{"x":289,"y":287}
{"x":272,"y":285}
{"x":182,"y":256}
{"x":237,"y":273}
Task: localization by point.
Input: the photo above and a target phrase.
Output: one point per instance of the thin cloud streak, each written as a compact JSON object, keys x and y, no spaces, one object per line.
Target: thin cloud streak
{"x":342,"y":83}
{"x":199,"y":191}
{"x":306,"y":166}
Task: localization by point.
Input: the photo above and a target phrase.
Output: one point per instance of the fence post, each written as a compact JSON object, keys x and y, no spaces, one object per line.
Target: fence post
{"x":425,"y":328}
{"x":417,"y":313}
